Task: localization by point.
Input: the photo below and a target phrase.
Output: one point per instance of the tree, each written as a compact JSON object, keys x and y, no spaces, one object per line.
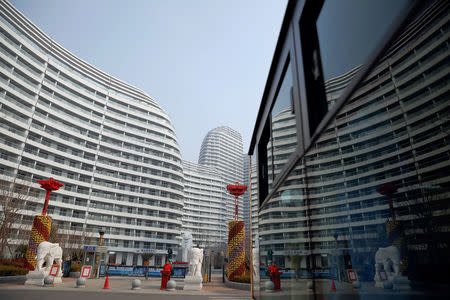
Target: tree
{"x":71,"y":240}
{"x":146,"y":257}
{"x":13,"y":199}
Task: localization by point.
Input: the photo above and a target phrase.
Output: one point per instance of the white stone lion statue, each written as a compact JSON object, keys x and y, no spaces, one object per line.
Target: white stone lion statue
{"x":195,"y":262}
{"x":49,"y":253}
{"x":389,"y":258}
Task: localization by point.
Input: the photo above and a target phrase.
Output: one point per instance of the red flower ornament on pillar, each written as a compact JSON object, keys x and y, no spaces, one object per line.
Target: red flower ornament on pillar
{"x":50,"y":186}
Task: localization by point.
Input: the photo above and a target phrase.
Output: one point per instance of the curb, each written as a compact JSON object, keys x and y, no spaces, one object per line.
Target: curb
{"x":237,"y":285}
{"x":13,"y":279}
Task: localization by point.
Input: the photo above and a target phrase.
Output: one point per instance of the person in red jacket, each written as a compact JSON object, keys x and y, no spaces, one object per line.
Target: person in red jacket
{"x":167,"y":267}
{"x":273,"y":269}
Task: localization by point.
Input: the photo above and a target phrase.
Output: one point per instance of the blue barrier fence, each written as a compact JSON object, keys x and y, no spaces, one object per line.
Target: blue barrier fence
{"x":139,"y":271}
{"x":300,"y":273}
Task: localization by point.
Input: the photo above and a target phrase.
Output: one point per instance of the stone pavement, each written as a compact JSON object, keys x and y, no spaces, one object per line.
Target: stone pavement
{"x":215,"y":288}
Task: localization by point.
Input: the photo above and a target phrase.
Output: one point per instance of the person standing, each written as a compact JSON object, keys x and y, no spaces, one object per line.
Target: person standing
{"x":168,"y":267}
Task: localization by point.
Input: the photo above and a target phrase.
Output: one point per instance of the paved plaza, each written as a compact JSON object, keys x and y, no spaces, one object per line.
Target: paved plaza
{"x":120,"y":288}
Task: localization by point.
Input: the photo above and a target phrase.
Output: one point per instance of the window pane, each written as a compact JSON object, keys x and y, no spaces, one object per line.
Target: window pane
{"x":349,"y":30}
{"x":283,"y":139}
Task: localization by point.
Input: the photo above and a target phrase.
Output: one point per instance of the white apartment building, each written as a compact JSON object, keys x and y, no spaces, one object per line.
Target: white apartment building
{"x":111,"y":144}
{"x":203,"y":205}
{"x":222,"y":149}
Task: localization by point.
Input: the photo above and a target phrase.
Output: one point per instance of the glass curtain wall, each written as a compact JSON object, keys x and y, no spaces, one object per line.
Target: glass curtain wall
{"x":365,"y":210}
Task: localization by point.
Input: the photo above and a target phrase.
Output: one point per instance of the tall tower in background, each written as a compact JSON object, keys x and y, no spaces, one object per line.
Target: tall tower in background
{"x":222,"y":149}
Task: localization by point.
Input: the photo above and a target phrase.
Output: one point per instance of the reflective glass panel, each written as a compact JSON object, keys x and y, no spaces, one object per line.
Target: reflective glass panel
{"x":283,"y":139}
{"x":365,"y":212}
{"x":349,"y":30}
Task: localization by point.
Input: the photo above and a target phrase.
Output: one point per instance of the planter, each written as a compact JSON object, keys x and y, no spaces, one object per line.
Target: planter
{"x":237,"y":285}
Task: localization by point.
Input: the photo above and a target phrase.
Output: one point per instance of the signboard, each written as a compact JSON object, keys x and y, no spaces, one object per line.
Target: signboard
{"x":154,"y":251}
{"x":293,"y":252}
{"x":102,"y":270}
{"x":90,"y":248}
{"x":101,"y":249}
{"x":54,"y":270}
{"x":86,"y":271}
{"x":352,"y":275}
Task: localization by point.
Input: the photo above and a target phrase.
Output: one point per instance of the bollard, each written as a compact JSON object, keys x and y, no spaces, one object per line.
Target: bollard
{"x":136,"y":284}
{"x":388,"y":285}
{"x":356,"y":284}
{"x":269,"y":286}
{"x":309,"y":285}
{"x":171,"y":285}
{"x":48,"y":280}
{"x":81,"y":282}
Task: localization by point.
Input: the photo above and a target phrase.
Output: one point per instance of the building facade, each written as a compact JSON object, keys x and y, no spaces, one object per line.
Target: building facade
{"x":110,"y":144}
{"x":222,"y":149}
{"x":372,"y":170}
{"x":203,"y":207}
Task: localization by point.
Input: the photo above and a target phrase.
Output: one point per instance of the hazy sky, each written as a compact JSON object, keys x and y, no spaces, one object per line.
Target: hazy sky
{"x":205,"y":62}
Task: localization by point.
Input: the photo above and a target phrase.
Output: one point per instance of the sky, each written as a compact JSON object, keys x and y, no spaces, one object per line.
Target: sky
{"x":205,"y":62}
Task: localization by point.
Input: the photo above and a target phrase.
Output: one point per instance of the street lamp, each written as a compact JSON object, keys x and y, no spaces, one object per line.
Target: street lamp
{"x":336,"y":235}
{"x":97,"y":254}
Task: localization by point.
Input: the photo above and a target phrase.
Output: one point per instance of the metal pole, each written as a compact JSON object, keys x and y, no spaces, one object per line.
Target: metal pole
{"x":337,"y":259}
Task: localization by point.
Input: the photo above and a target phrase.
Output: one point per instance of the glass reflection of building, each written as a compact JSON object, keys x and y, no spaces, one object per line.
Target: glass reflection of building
{"x":326,"y":208}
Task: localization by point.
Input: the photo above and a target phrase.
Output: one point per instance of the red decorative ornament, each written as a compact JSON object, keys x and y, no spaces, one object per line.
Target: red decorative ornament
{"x":236,"y":190}
{"x":388,"y":190}
{"x":49,"y":185}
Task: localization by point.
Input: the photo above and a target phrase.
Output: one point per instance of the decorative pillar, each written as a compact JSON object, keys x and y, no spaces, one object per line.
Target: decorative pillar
{"x":236,"y":236}
{"x":236,"y":249}
{"x":42,"y":224}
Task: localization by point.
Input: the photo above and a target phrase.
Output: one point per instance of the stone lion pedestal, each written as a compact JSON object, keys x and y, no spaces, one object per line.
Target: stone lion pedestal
{"x":36,"y":277}
{"x":192,"y":283}
{"x":388,"y":260}
{"x":49,"y":253}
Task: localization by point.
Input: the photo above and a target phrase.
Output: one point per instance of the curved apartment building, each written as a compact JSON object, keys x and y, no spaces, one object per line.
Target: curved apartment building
{"x":222,"y":149}
{"x":203,"y":207}
{"x":112,"y":145}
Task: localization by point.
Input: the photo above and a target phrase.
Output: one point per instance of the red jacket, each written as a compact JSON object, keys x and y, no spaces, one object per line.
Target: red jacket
{"x":167,"y":267}
{"x":273,"y":269}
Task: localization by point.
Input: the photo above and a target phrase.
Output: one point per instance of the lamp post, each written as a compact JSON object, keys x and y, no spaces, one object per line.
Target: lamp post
{"x":337,"y":257}
{"x":97,"y":254}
